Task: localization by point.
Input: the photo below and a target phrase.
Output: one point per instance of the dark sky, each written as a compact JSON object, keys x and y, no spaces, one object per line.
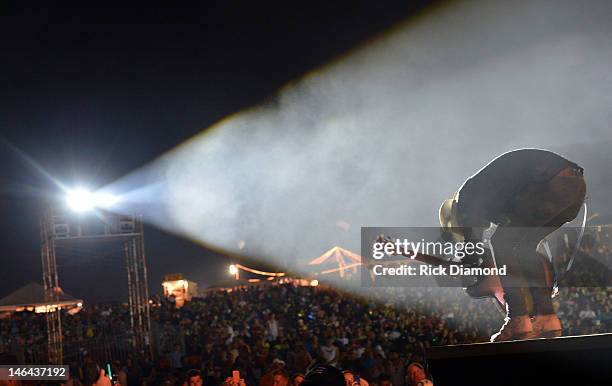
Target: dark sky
{"x":91,"y":94}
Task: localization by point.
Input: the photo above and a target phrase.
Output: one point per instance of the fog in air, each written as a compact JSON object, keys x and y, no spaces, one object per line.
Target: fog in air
{"x":382,"y":135}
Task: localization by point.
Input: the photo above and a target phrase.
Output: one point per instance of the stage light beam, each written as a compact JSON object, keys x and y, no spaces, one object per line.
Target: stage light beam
{"x":384,"y":134}
{"x":82,"y":200}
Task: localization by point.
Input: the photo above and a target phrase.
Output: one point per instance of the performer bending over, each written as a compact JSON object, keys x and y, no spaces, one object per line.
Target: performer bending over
{"x":527,"y":193}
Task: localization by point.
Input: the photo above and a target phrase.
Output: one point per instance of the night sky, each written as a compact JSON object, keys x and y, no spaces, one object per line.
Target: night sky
{"x":91,"y":94}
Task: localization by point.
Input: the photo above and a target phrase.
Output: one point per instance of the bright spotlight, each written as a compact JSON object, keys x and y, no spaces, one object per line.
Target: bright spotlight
{"x":81,"y":200}
{"x":314,"y":283}
{"x":233,"y":269}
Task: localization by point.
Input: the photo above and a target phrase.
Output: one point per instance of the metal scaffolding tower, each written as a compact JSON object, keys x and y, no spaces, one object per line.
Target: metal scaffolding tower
{"x":59,"y":228}
{"x":52,"y":292}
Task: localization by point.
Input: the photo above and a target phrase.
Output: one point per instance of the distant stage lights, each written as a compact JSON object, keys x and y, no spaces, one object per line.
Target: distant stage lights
{"x":81,"y":200}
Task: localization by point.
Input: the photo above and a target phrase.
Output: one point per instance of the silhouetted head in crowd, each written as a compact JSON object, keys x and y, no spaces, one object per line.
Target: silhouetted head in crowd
{"x":280,"y":378}
{"x":91,"y":373}
{"x":324,"y":375}
{"x":385,"y":380}
{"x":297,"y":379}
{"x":351,"y":379}
{"x":194,"y":378}
{"x":415,"y":372}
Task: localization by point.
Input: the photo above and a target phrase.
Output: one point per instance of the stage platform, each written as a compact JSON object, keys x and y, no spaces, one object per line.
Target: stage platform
{"x":570,"y":360}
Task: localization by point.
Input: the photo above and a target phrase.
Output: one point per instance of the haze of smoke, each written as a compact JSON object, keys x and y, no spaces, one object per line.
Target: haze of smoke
{"x":382,"y":136}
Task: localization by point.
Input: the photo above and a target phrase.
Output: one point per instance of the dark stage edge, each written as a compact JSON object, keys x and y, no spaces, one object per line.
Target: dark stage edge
{"x":569,"y":360}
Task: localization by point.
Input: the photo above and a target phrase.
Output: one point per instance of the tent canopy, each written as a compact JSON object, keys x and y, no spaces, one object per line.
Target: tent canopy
{"x":340,"y":257}
{"x":32,"y":295}
{"x":337,"y":255}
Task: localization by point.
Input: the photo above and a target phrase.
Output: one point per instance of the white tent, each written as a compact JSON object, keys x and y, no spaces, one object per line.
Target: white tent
{"x":31,"y":297}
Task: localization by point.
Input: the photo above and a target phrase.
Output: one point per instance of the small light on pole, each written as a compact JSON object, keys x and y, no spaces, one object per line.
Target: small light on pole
{"x":233,"y":270}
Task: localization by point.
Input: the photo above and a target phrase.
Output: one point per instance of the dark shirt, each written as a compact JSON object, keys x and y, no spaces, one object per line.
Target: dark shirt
{"x":485,"y":197}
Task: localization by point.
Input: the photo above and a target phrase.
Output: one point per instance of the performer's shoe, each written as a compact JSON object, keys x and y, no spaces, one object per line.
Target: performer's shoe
{"x":547,"y":326}
{"x":516,"y":328}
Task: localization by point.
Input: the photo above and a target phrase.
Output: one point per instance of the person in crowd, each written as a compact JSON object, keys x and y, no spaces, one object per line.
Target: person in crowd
{"x":301,"y":358}
{"x":95,"y":376}
{"x":297,"y":379}
{"x":395,"y":368}
{"x":194,"y":378}
{"x":176,"y":357}
{"x":272,"y":327}
{"x":329,"y":352}
{"x":385,"y":380}
{"x":371,"y":336}
{"x":134,"y":371}
{"x":235,"y":380}
{"x":121,"y":373}
{"x":324,"y":375}
{"x":415,"y":372}
{"x":351,"y":379}
{"x":280,"y":378}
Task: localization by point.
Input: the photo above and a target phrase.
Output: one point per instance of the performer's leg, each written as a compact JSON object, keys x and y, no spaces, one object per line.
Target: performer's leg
{"x":506,"y":246}
{"x":546,"y":323}
{"x":543,"y":208}
{"x":538,"y":206}
{"x":534,"y":271}
{"x":517,"y":325}
{"x":564,"y":190}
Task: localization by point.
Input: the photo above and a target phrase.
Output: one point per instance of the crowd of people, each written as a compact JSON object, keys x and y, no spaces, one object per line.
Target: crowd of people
{"x":272,"y":334}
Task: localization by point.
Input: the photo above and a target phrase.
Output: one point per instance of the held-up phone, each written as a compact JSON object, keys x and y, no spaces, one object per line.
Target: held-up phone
{"x":110,"y":373}
{"x":357,"y":380}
